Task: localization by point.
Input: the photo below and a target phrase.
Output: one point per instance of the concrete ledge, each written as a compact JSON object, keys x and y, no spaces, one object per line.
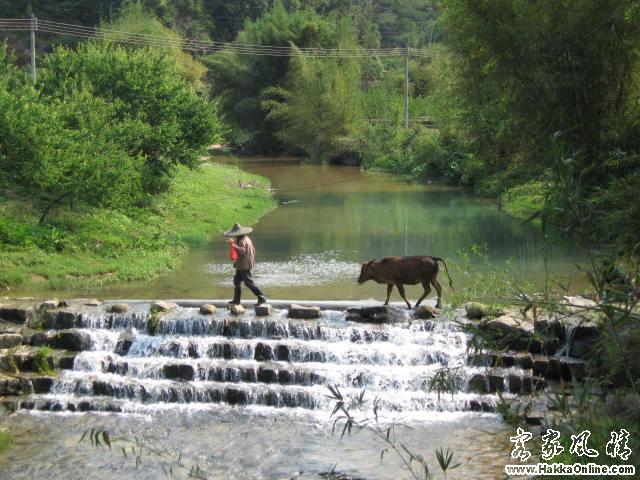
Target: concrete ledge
{"x":280,"y":304}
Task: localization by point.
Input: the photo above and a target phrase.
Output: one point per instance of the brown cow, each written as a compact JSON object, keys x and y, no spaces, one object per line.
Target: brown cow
{"x":400,"y":271}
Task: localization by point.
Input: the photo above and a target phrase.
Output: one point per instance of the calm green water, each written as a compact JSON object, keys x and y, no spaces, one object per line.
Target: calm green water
{"x":330,"y":219}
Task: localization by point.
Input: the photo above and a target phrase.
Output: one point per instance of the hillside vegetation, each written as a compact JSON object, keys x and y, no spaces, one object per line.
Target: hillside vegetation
{"x":535,"y":102}
{"x":100,"y":172}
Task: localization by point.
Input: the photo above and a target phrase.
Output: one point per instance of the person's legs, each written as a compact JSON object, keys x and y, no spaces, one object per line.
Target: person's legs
{"x":237,"y":291}
{"x":248,"y":281}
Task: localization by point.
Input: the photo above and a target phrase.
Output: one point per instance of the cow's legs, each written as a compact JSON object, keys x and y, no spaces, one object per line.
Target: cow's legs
{"x":427,"y":291}
{"x":401,"y":290}
{"x":438,"y":288}
{"x":389,"y":288}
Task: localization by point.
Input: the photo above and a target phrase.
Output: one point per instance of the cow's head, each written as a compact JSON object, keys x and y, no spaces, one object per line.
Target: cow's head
{"x":366,"y":272}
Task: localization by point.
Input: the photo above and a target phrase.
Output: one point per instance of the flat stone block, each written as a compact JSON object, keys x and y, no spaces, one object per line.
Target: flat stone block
{"x":307,"y":313}
{"x":264,"y":310}
{"x":119,"y":308}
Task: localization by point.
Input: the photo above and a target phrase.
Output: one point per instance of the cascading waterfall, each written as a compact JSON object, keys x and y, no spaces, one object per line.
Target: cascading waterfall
{"x":276,"y":362}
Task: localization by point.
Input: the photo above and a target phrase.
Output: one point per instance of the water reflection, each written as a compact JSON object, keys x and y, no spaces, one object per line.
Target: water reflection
{"x":330,"y":219}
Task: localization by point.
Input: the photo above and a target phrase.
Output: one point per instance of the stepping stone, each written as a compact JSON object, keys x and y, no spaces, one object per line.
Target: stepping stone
{"x":125,"y":340}
{"x":53,"y":303}
{"x":16,"y":311}
{"x":474,"y":310}
{"x":207,"y":309}
{"x":74,"y":340}
{"x":179,"y":371}
{"x":162,"y":306}
{"x":119,"y":308}
{"x":8,"y":340}
{"x":425,"y":312}
{"x":264,"y":310}
{"x":237,"y":309}
{"x":307,"y":313}
{"x":377,"y":314}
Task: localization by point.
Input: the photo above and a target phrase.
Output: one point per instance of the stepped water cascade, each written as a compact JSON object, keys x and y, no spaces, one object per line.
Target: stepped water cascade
{"x":250,"y":375}
{"x":275,"y":362}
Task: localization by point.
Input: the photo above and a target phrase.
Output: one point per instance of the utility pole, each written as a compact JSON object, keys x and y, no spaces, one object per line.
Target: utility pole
{"x":34,"y":27}
{"x":406,"y":90}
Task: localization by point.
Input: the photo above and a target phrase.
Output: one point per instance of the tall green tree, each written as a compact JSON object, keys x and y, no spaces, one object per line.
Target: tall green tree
{"x":318,"y":112}
{"x":525,"y":70}
{"x":240,"y":81}
{"x":63,"y":149}
{"x":135,"y":17}
{"x":168,"y":122}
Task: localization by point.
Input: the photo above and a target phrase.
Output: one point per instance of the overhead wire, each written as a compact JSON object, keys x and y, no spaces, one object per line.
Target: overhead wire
{"x":207,"y":46}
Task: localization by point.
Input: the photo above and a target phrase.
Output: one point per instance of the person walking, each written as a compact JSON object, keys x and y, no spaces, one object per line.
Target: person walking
{"x":242,"y":245}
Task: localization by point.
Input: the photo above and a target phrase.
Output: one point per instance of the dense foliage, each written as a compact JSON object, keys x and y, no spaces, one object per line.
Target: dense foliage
{"x":104,"y":126}
{"x":548,"y":90}
{"x":241,"y":80}
{"x":526,"y":100}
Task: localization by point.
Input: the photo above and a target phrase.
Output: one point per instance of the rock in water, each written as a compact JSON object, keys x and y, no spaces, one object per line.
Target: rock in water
{"x":263,"y":352}
{"x":93,"y":302}
{"x":264,"y":310}
{"x":425,"y":312}
{"x":9,"y":340}
{"x":237,"y":309}
{"x":475,"y":311}
{"x":207,"y":309}
{"x":53,"y":303}
{"x":298,"y":311}
{"x":119,"y":308}
{"x":18,"y":311}
{"x":125,"y":340}
{"x":179,"y":371}
{"x":584,"y":339}
{"x":377,"y":314}
{"x":73,"y":340}
{"x":478,"y":383}
{"x":162,"y":306}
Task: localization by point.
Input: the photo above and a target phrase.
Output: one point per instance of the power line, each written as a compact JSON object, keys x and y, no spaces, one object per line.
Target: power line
{"x":204,"y":46}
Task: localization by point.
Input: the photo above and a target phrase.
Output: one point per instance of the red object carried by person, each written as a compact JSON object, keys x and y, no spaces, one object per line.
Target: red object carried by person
{"x":233,"y":255}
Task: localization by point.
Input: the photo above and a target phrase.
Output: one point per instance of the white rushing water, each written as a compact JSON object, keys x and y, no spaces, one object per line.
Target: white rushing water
{"x":276,"y":362}
{"x":203,"y":379}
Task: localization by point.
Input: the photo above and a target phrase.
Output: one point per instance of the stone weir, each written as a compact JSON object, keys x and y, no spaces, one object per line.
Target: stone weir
{"x":137,"y":356}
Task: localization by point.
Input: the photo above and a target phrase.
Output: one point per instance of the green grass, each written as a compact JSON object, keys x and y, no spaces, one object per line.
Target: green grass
{"x":92,"y":247}
{"x":5,"y":441}
{"x":41,"y":360}
{"x":524,"y":200}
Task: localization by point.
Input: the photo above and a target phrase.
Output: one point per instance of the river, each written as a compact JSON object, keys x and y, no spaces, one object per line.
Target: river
{"x":330,"y":219}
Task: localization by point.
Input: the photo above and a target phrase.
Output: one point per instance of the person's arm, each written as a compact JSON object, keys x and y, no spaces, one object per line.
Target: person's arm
{"x":241,"y":247}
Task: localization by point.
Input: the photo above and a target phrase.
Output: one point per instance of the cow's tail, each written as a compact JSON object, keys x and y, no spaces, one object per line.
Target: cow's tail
{"x":438,"y":259}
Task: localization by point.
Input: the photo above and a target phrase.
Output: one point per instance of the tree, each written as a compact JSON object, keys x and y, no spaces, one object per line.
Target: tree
{"x":318,"y":113}
{"x":133,"y":17}
{"x":167,"y":122}
{"x":240,"y":81}
{"x":63,"y":149}
{"x":525,"y":70}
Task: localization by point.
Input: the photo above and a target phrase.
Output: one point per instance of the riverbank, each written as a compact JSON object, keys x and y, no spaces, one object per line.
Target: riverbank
{"x":92,"y":247}
{"x":524,"y":201}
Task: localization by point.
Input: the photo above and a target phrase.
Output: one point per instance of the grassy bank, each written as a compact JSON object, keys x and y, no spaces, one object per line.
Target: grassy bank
{"x":524,"y":200}
{"x":91,"y":247}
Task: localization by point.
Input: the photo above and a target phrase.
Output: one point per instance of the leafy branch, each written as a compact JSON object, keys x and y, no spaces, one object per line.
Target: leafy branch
{"x":413,"y":462}
{"x":137,"y":448}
